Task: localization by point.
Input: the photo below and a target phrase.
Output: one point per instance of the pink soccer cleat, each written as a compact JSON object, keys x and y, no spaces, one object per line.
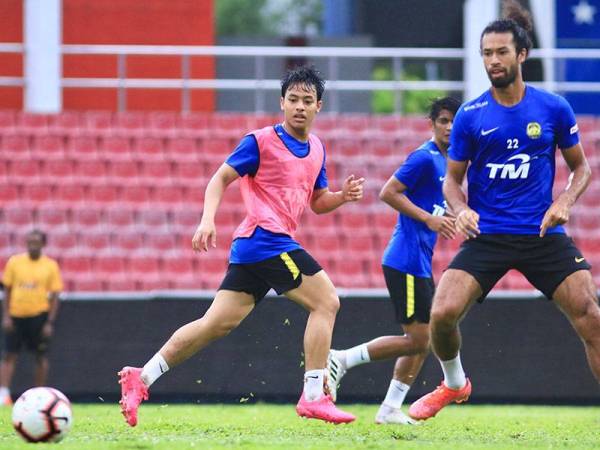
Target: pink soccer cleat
{"x":133,"y":391}
{"x":430,"y":404}
{"x":323,"y":409}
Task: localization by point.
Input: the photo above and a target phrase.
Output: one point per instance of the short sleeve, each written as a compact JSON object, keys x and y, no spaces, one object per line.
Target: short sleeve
{"x":461,"y":144}
{"x":55,"y":283}
{"x":567,"y":131}
{"x":321,"y":182}
{"x":9,"y":273}
{"x":415,"y":166}
{"x":245,"y":158}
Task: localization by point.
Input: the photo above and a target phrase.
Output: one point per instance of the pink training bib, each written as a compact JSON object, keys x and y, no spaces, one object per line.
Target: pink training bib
{"x":282,"y":187}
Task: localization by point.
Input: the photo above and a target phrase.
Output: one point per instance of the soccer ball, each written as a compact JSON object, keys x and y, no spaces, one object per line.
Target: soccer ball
{"x":42,"y":414}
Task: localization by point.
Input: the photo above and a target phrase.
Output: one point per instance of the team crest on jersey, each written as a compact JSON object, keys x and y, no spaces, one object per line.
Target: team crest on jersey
{"x":534,"y":130}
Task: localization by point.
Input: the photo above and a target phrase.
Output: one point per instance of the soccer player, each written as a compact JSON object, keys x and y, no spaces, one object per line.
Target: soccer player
{"x":282,"y":170}
{"x":509,"y":135}
{"x":415,"y":191}
{"x":32,"y":285}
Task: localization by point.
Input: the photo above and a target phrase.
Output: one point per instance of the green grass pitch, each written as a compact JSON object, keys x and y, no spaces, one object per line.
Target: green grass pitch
{"x":264,"y":426}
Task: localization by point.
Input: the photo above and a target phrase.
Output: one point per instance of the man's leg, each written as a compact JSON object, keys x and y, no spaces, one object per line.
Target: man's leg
{"x":576,"y":297}
{"x":226,"y":312}
{"x":317,"y":295}
{"x":41,"y":369}
{"x":7,"y":369}
{"x":456,"y":292}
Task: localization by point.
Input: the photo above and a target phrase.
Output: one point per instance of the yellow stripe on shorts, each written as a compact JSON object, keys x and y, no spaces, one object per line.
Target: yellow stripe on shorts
{"x":290,"y":264}
{"x":410,"y":295}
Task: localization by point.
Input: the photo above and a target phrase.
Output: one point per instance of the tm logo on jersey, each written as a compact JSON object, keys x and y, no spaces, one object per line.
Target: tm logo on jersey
{"x":510,"y":170}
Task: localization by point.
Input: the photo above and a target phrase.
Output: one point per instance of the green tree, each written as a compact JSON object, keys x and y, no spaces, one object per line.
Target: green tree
{"x":242,"y":18}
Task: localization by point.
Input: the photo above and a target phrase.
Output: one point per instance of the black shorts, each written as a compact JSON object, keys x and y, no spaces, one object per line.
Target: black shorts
{"x":282,"y":273}
{"x":411,"y":296}
{"x":28,"y":331}
{"x":545,"y":262}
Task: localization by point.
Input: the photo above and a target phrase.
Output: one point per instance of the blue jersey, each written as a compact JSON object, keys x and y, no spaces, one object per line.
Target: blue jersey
{"x":411,"y":248}
{"x":511,"y":151}
{"x":264,"y":244}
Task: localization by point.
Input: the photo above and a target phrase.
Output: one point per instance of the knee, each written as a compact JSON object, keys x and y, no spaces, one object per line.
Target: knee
{"x":443,"y":318}
{"x":420,"y":341}
{"x":223,"y":328}
{"x":587,"y":318}
{"x":329,"y":304}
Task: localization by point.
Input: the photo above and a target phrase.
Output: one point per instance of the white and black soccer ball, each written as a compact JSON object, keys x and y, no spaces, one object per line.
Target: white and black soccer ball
{"x":42,"y":414}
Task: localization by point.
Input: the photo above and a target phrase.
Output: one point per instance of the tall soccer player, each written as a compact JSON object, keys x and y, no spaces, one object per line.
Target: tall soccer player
{"x":509,"y":135}
{"x":415,"y":191}
{"x":282,"y":170}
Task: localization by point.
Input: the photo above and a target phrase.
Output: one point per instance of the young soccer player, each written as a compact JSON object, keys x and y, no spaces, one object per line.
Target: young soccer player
{"x":415,"y":191}
{"x":509,"y":135}
{"x":282,"y":170}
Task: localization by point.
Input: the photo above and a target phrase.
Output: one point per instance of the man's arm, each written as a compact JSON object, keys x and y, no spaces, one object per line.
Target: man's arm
{"x":53,"y":300}
{"x":392,"y":193}
{"x":467,"y":220}
{"x":215,"y":189}
{"x":6,"y":319}
{"x":559,"y":211}
{"x":324,"y":201}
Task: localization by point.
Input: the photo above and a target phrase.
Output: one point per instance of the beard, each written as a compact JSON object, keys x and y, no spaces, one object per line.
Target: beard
{"x":508,"y":78}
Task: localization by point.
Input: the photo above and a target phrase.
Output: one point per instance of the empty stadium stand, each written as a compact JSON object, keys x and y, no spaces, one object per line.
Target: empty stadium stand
{"x":120,"y":195}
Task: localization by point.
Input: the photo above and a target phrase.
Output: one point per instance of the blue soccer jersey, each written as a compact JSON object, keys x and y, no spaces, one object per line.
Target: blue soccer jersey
{"x":511,"y":153}
{"x":411,"y":247}
{"x":264,"y":244}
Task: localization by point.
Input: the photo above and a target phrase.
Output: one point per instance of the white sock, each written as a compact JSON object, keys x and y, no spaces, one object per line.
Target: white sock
{"x":454,"y":375}
{"x":356,"y":356}
{"x":313,"y":384}
{"x":396,"y":394}
{"x":154,"y":369}
{"x":4,"y":392}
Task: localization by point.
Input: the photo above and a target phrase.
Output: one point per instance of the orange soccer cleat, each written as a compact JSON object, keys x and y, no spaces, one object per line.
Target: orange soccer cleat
{"x":429,"y":405}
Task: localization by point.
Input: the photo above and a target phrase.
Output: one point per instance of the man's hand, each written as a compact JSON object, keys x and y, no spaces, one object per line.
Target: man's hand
{"x":442,"y":225}
{"x":204,"y":232}
{"x":47,"y":329}
{"x":7,"y":324}
{"x":557,"y":214}
{"x":467,"y":223}
{"x":352,"y":189}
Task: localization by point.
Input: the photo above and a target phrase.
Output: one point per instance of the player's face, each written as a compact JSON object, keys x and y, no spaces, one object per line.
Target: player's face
{"x":441,"y":127}
{"x":502,"y":63}
{"x":300,"y":106}
{"x":34,"y":245}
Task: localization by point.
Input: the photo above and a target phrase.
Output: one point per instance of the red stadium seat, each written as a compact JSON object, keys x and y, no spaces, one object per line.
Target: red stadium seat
{"x":69,"y":195}
{"x":65,"y":123}
{"x":162,"y":124}
{"x":98,"y":122}
{"x":8,"y":121}
{"x":86,"y":217}
{"x":116,"y":148}
{"x":167,"y":195}
{"x":129,"y":124}
{"x":47,"y":147}
{"x":161,"y":242}
{"x":32,"y":195}
{"x":156,"y":173}
{"x":96,"y":242}
{"x":123,"y":169}
{"x":194,"y":125}
{"x":57,"y":171}
{"x":129,"y":241}
{"x":8,"y":194}
{"x":181,"y":149}
{"x":103,"y":194}
{"x":153,"y":219}
{"x":107,"y":266}
{"x":120,"y":218}
{"x":32,"y":123}
{"x":17,"y":218}
{"x":24,"y":172}
{"x":51,"y":216}
{"x":82,"y":148}
{"x":148,"y":148}
{"x":91,"y":172}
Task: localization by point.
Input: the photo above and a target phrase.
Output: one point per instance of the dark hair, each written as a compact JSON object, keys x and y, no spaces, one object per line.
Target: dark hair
{"x":515,"y":20}
{"x":303,"y":75}
{"x":449,"y":104}
{"x":40,"y":233}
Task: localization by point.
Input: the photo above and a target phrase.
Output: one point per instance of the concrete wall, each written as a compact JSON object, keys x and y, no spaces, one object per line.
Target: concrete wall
{"x":514,"y":351}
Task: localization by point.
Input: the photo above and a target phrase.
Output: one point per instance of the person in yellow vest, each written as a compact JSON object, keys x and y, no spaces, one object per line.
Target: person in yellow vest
{"x":32,"y":284}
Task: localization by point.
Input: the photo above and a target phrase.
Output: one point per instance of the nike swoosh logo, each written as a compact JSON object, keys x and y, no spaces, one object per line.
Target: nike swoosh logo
{"x":578,"y":260}
{"x":486,"y":132}
{"x":442,"y":178}
{"x":312,"y":376}
{"x":161,"y":368}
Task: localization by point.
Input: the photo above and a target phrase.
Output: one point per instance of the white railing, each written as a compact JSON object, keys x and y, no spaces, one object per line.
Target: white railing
{"x":259,"y":84}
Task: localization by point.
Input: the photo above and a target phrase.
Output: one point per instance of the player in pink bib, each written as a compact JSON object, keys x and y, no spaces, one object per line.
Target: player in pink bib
{"x":282,"y":170}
